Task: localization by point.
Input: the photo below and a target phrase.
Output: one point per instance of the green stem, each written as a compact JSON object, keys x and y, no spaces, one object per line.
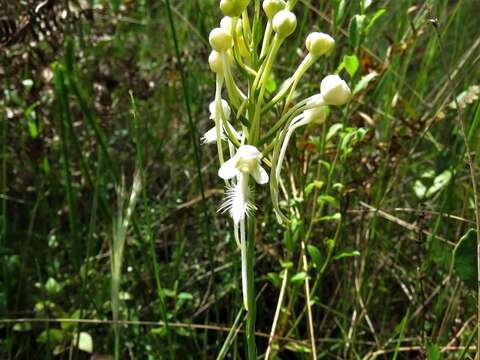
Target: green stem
{"x":251,"y":314}
{"x":233,"y":331}
{"x":218,"y":121}
{"x":292,"y":83}
{"x":266,"y":40}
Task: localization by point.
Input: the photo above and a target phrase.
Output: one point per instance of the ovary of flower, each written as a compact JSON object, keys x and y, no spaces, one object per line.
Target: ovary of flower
{"x":211,"y":135}
{"x":334,"y":90}
{"x":245,"y":163}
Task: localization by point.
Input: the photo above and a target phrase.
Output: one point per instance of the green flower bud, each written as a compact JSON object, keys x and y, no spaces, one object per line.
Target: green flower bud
{"x":334,"y":90}
{"x":233,"y":8}
{"x":215,"y":61}
{"x":220,"y":40}
{"x":319,"y":43}
{"x":284,"y":23}
{"x":271,"y":7}
{"x":226,"y":24}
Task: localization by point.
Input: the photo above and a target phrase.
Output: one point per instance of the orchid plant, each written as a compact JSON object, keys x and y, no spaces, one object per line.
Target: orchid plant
{"x":253,"y":126}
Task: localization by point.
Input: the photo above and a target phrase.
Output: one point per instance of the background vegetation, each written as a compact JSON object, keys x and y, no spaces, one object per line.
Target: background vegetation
{"x":92,"y":95}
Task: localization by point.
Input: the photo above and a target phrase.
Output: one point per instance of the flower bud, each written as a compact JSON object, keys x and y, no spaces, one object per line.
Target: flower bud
{"x":334,"y":90}
{"x":220,"y":40}
{"x":226,"y":24}
{"x":316,"y":115}
{"x":225,"y":106}
{"x":215,"y":61}
{"x":233,"y":8}
{"x":284,"y":23}
{"x":271,"y":7}
{"x":319,"y":43}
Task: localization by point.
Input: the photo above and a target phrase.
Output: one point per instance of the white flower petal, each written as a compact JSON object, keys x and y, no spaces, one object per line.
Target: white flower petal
{"x":229,"y":169}
{"x":260,"y":175}
{"x":226,"y":109}
{"x":210,"y":136}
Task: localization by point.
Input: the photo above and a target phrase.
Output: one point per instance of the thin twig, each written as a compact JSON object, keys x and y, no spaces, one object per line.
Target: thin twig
{"x":277,"y":313}
{"x":403,"y":223}
{"x":219,"y":328}
{"x":309,"y":304}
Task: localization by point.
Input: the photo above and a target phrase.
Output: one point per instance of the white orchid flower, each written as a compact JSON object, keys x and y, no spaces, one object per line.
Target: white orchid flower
{"x":211,"y":135}
{"x":245,"y":163}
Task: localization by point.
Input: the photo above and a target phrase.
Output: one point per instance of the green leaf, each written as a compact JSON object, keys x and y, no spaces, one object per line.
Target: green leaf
{"x":85,"y":342}
{"x":162,"y":331}
{"x":185,"y":296}
{"x":433,"y":352}
{"x":338,"y":186}
{"x":340,"y":12}
{"x":316,"y":255}
{"x":439,"y":183}
{"x":271,"y":84}
{"x":328,"y":199}
{"x":71,"y":326}
{"x":428,"y":174}
{"x":299,"y":277}
{"x":374,"y":19}
{"x":274,"y":278}
{"x":183,"y":332}
{"x":465,"y":259}
{"x":46,"y":165}
{"x":351,"y":64}
{"x":332,"y":131}
{"x":53,"y":336}
{"x":366,"y":4}
{"x":364,"y":81}
{"x":345,"y":254}
{"x":334,"y":217}
{"x":24,"y":326}
{"x":298,"y":348}
{"x":52,"y":286}
{"x":355,"y":29}
{"x":286,"y":264}
{"x":315,"y":184}
{"x":419,"y":189}
{"x":32,"y":128}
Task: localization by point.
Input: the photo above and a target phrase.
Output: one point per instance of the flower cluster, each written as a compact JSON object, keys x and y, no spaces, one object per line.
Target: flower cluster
{"x":255,"y":125}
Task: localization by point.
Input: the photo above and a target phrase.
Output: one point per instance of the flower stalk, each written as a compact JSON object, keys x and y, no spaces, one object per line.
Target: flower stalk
{"x":264,"y":136}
